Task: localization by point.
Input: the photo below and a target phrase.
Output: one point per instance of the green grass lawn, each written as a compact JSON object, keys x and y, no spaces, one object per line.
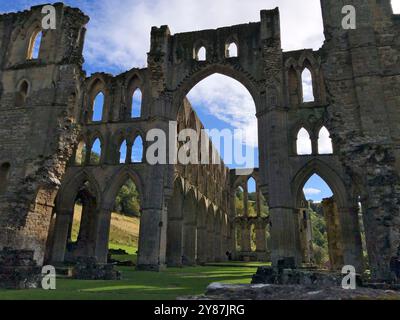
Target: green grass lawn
{"x":136,"y":285}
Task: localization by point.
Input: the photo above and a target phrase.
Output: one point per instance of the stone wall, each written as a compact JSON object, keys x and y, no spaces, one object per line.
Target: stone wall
{"x":37,"y":136}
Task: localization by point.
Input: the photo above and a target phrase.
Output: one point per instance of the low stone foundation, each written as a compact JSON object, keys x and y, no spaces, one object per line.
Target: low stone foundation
{"x":89,"y":269}
{"x":269,"y":292}
{"x":269,"y":275}
{"x":18,"y":270}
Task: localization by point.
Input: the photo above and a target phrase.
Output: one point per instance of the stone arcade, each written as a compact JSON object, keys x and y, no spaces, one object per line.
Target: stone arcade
{"x":188,"y":214}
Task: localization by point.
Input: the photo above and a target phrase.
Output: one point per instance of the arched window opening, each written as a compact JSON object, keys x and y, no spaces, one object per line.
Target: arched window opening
{"x":231,"y":50}
{"x":137,"y":150}
{"x":222,"y":111}
{"x":307,"y":84}
{"x":95,"y":155}
{"x":239,"y":202}
{"x":304,"y":145}
{"x":252,"y":198}
{"x":83,"y":209}
{"x":76,"y":220}
{"x":201,"y":54}
{"x":80,"y":154}
{"x":22,"y":94}
{"x":123,"y":152}
{"x":324,"y":142}
{"x":238,"y":239}
{"x":318,"y":221}
{"x":98,"y":107}
{"x":136,"y":104}
{"x":396,"y":6}
{"x":4,"y":176}
{"x":125,"y":224}
{"x":34,"y":45}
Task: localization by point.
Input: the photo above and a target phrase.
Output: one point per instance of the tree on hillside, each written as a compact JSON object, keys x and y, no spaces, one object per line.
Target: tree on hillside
{"x":128,"y":201}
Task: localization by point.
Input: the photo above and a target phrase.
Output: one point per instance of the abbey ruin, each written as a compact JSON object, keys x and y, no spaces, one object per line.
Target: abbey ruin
{"x":188,"y":216}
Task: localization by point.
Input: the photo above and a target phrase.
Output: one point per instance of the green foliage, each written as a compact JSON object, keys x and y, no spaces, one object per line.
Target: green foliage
{"x":128,"y":201}
{"x":320,"y":238}
{"x":94,"y":157}
{"x":252,"y":204}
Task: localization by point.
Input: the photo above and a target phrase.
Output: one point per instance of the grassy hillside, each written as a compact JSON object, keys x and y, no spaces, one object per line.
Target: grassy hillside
{"x":124,"y":231}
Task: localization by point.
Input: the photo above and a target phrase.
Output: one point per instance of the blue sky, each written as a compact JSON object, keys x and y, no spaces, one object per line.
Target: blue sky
{"x":118,"y":39}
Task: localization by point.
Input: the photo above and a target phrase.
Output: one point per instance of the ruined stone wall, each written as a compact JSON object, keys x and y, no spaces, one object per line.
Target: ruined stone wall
{"x":362,"y":78}
{"x":356,"y":89}
{"x":37,"y":136}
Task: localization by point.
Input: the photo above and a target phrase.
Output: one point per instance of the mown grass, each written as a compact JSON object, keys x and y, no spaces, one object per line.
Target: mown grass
{"x":137,"y":285}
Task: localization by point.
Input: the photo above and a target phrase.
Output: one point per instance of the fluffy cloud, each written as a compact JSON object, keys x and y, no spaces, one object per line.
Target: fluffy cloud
{"x":229,"y":101}
{"x":119,"y":31}
{"x":312,"y":191}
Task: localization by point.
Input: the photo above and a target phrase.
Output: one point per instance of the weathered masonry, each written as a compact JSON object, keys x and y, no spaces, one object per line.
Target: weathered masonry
{"x":188,"y":215}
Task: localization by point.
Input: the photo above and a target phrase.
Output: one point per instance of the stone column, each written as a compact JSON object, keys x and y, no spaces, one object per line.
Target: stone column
{"x":246,"y":236}
{"x":189,"y":244}
{"x":102,"y":234}
{"x":210,"y":245}
{"x":175,"y":243}
{"x":335,"y":246}
{"x":152,"y":246}
{"x":351,"y":238}
{"x":63,"y":220}
{"x":261,"y":241}
{"x":201,"y":245}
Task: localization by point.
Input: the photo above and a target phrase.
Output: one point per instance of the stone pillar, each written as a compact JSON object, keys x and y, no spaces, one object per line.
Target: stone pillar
{"x":284,"y":235}
{"x":102,"y":233}
{"x":201,"y":245}
{"x":189,"y":244}
{"x":261,"y":241}
{"x":335,"y":246}
{"x":152,"y":247}
{"x":246,"y":236}
{"x":175,"y":243}
{"x":210,"y":244}
{"x":63,"y":220}
{"x":305,"y":231}
{"x":351,"y":238}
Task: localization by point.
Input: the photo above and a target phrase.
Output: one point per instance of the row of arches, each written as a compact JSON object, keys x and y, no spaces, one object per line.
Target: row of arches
{"x":231,"y":51}
{"x":198,"y":232}
{"x":80,"y":224}
{"x":249,"y":200}
{"x":97,"y":106}
{"x":130,"y":151}
{"x":308,"y":145}
{"x":304,"y":79}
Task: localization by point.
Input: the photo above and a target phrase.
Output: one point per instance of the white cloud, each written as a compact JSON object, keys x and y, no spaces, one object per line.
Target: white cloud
{"x":119,"y":31}
{"x":325,"y":142}
{"x":312,"y":191}
{"x":396,"y":6}
{"x":229,"y":101}
{"x":304,"y":146}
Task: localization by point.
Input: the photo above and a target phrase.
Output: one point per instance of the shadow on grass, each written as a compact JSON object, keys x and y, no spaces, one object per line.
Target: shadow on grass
{"x":137,"y":285}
